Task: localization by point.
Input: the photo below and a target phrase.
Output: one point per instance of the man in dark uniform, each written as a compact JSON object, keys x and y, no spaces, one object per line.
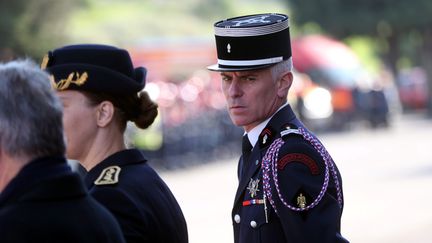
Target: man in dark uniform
{"x":41,"y":199}
{"x":289,"y":187}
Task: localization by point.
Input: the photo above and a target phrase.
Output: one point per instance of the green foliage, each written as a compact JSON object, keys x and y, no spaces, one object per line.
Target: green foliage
{"x":364,"y":48}
{"x":130,"y":22}
{"x":347,"y":17}
{"x":398,"y":26}
{"x":30,"y":27}
{"x":402,"y":29}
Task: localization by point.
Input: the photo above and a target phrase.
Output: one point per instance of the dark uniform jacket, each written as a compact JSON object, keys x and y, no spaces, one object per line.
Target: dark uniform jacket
{"x":142,"y":203}
{"x":300,"y":175}
{"x":46,"y":202}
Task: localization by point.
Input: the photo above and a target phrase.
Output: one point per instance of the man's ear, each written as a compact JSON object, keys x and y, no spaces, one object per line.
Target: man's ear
{"x":284,"y":84}
{"x":104,"y":113}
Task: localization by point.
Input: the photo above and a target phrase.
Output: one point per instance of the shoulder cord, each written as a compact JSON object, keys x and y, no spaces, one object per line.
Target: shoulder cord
{"x":269,"y":165}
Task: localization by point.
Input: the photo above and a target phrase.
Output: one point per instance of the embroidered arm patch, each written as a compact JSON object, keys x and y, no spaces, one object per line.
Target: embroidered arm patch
{"x":301,"y":158}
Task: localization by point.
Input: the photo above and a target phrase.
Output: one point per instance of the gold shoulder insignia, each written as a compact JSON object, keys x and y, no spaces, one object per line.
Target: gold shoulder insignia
{"x":108,"y":176}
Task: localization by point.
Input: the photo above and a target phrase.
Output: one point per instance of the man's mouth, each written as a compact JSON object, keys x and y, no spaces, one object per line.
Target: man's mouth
{"x":237,"y":107}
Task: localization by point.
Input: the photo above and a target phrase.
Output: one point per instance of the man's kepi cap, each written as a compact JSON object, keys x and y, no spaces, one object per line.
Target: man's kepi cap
{"x":251,"y":42}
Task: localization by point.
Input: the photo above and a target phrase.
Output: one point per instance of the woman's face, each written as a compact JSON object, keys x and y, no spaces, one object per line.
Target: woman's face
{"x":79,"y":121}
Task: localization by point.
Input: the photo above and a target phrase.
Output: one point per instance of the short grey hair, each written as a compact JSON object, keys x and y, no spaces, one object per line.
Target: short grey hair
{"x":281,"y":67}
{"x":30,"y":112}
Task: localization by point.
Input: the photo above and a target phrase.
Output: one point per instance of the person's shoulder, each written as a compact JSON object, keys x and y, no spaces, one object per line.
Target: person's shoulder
{"x":10,"y":225}
{"x":123,"y":180}
{"x":10,"y":214}
{"x":116,"y":199}
{"x":296,"y":148}
{"x":22,"y":217}
{"x":296,"y":167}
{"x":120,"y":175}
{"x":293,"y":158}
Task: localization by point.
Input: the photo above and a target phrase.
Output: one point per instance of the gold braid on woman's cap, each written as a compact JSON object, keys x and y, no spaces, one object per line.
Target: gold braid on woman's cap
{"x":64,"y":83}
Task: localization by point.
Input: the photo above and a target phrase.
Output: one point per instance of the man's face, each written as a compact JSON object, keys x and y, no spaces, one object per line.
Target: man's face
{"x":251,"y":96}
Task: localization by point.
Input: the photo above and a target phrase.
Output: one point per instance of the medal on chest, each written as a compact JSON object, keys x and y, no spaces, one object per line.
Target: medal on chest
{"x":253,"y":187}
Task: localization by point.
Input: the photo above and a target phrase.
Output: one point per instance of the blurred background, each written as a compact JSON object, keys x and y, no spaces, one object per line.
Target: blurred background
{"x":363,"y":83}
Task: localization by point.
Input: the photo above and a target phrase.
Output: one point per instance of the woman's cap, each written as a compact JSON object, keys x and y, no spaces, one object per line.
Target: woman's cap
{"x":94,"y":68}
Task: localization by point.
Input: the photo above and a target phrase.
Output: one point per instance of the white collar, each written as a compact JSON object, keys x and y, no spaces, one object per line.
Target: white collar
{"x":254,"y":133}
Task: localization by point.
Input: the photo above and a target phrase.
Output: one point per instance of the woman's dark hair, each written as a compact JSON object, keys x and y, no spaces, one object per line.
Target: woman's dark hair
{"x":139,"y":109}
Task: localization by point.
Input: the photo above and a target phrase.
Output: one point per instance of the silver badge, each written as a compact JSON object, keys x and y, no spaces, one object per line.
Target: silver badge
{"x":265,"y":139}
{"x":253,"y":187}
{"x":229,"y":48}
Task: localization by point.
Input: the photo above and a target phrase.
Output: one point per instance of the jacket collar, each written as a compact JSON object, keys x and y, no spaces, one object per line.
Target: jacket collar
{"x":121,"y":158}
{"x":254,"y":134}
{"x":44,"y":178}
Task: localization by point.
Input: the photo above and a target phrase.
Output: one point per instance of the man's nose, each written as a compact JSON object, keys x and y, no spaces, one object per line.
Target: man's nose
{"x":235,"y":89}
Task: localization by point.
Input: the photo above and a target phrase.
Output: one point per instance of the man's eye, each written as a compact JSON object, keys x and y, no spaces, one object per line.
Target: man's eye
{"x":250,"y":79}
{"x":225,"y":78}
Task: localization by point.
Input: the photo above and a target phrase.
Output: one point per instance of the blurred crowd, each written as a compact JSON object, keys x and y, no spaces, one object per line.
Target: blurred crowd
{"x":193,"y":125}
{"x":330,"y":92}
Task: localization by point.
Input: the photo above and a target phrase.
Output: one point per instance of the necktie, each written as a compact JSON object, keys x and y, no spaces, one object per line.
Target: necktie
{"x":246,"y":151}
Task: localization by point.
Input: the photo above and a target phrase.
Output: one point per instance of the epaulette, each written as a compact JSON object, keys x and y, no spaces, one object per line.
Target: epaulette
{"x":290,"y":129}
{"x":108,"y":176}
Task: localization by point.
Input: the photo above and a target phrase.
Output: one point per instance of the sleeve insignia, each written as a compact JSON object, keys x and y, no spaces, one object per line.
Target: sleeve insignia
{"x":301,"y":201}
{"x":301,"y":158}
{"x":108,"y":176}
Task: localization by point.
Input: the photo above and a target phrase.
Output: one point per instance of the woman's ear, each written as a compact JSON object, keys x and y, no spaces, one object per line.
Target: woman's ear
{"x":284,"y":84}
{"x":104,"y":113}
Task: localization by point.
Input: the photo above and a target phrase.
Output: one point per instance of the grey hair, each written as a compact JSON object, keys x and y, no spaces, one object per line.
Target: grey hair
{"x":30,"y":112}
{"x":282,"y":67}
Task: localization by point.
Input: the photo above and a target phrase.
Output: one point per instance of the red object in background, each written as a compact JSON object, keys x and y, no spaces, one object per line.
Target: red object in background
{"x":342,"y":100}
{"x":413,"y":88}
{"x":318,"y":51}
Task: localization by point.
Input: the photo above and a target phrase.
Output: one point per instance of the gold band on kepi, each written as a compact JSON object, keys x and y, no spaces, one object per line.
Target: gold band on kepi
{"x":251,"y":42}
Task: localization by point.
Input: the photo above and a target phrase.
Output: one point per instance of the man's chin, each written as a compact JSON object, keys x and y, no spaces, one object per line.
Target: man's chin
{"x":238,"y":122}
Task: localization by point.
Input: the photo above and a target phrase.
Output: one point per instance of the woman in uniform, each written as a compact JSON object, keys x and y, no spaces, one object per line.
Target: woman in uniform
{"x":101,"y":91}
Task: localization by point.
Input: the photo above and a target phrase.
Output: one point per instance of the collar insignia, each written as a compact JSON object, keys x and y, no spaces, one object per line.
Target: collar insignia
{"x":108,"y":176}
{"x":265,"y":137}
{"x":253,"y":187}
